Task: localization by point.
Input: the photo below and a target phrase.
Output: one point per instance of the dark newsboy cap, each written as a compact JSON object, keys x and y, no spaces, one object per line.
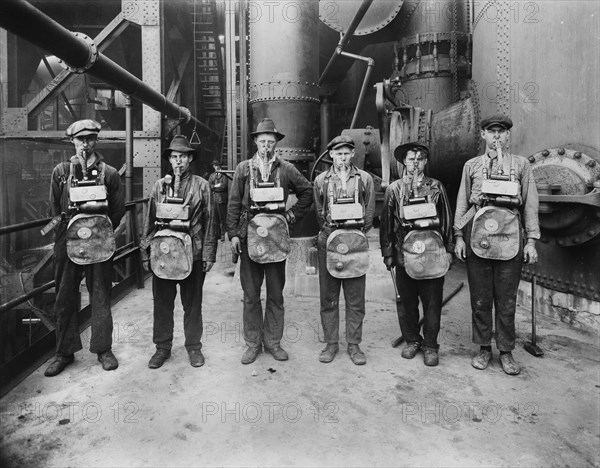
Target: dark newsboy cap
{"x":340,"y":141}
{"x":83,"y":127}
{"x":400,"y":151}
{"x":179,"y":143}
{"x":497,"y":119}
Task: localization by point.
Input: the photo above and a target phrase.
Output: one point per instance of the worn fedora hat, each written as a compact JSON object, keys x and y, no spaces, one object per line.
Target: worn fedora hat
{"x":497,"y":119}
{"x":267,"y":125}
{"x":181,"y":144}
{"x":400,"y":151}
{"x":83,"y":127}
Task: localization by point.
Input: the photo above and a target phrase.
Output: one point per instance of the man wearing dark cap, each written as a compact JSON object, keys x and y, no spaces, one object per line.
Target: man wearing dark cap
{"x":496,"y":226}
{"x":219,"y":187}
{"x":343,"y":185}
{"x":404,"y":234}
{"x":87,"y":164}
{"x":188,"y":196}
{"x":264,"y":173}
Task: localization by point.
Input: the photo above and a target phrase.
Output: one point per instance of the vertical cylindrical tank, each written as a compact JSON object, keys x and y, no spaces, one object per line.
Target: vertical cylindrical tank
{"x":284,"y":71}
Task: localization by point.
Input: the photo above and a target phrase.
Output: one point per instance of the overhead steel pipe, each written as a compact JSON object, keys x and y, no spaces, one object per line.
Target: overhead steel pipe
{"x":80,"y":55}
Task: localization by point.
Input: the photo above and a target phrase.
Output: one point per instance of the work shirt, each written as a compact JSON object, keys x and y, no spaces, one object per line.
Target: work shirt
{"x":469,"y":193}
{"x":59,"y":190}
{"x":331,"y":179}
{"x":391,"y":231}
{"x":202,"y":222}
{"x":289,"y":178}
{"x":219,"y":184}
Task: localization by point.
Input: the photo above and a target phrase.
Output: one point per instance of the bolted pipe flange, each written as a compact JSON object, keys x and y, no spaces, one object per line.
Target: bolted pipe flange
{"x":92,"y":57}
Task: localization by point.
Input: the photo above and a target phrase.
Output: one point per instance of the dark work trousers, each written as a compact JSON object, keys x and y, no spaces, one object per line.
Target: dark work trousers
{"x":493,"y":283}
{"x":431,"y":293}
{"x":256,"y":329}
{"x":354,"y":296}
{"x":68,"y":277}
{"x":220,"y":209}
{"x":164,"y":292}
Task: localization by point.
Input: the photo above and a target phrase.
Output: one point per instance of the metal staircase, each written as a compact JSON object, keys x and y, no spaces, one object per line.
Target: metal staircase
{"x":209,"y":62}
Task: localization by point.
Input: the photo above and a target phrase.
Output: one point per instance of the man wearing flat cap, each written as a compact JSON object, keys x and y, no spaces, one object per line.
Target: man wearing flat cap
{"x":219,"y":187}
{"x":259,"y":191}
{"x":496,"y":226}
{"x":86,"y":168}
{"x":179,"y":214}
{"x":345,"y":203}
{"x":416,"y":238}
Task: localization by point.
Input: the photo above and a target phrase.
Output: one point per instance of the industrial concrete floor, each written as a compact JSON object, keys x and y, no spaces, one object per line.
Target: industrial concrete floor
{"x":391,"y":412}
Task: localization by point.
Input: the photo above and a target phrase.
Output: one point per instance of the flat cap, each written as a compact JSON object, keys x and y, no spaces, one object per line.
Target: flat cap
{"x":340,"y":141}
{"x":400,"y":151}
{"x":497,"y":119}
{"x":83,"y":127}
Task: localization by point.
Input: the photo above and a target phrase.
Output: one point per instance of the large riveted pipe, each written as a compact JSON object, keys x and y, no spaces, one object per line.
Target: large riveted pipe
{"x":79,"y":53}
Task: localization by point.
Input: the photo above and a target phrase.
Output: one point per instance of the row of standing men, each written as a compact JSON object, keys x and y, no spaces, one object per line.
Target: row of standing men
{"x":494,"y":230}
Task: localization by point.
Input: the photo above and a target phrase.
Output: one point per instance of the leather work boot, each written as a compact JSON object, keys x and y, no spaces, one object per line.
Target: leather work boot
{"x":411,"y":349}
{"x":108,"y":360}
{"x":431,"y":357}
{"x":196,"y":357}
{"x":329,"y":352}
{"x":251,"y":354}
{"x":58,"y":365}
{"x":481,"y":359}
{"x":159,"y":358}
{"x":278,"y":353}
{"x":509,"y":365}
{"x":357,"y":356}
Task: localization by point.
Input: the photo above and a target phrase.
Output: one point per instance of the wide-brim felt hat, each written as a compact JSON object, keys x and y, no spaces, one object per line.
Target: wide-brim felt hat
{"x":181,"y":144}
{"x":83,"y":127}
{"x":267,"y":125}
{"x":400,"y":151}
{"x":497,"y":119}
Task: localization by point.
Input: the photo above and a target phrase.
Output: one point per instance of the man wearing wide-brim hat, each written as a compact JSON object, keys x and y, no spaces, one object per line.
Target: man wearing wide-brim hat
{"x":219,"y":187}
{"x":267,"y":168}
{"x":89,"y":163}
{"x":181,"y":184}
{"x":493,"y":283}
{"x":393,"y":231}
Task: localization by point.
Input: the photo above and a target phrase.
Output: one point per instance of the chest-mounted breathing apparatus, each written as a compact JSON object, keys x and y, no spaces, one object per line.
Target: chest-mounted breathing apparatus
{"x":347,"y":246}
{"x":171,"y":254}
{"x":268,"y":231}
{"x":495,"y":233}
{"x":90,"y":235}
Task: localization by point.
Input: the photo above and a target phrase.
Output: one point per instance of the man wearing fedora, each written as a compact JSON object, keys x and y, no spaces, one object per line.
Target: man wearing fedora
{"x":86,"y":163}
{"x":219,"y":187}
{"x":266,"y":166}
{"x":428,"y":286}
{"x":203,"y":232}
{"x":494,"y":282}
{"x":343,"y":181}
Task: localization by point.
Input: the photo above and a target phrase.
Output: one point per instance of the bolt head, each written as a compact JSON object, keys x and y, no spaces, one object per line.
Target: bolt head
{"x":561,"y":151}
{"x":545,"y":153}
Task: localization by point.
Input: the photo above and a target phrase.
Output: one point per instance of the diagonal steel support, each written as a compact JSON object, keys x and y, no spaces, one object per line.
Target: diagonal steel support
{"x":39,"y":102}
